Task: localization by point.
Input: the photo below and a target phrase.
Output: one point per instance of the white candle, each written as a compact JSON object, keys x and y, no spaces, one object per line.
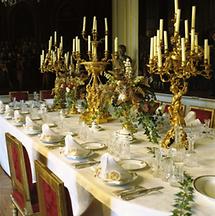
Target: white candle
{"x":50,"y":43}
{"x":176,"y":5}
{"x":76,"y":43}
{"x":116,"y":44}
{"x":73,"y":45}
{"x":193,"y":17}
{"x":151,"y":48}
{"x":159,"y":57}
{"x":186,"y":30}
{"x":84,"y":24}
{"x":58,"y":53}
{"x":183,"y":55}
{"x":158,"y":37}
{"x":155,"y":45}
{"x":41,"y":60}
{"x":67,"y":59}
{"x":208,"y":55}
{"x":94,"y":24}
{"x":71,"y":60}
{"x":89,"y":43}
{"x":55,"y":37}
{"x":79,"y":47}
{"x":177,"y":24}
{"x":161,"y":29}
{"x":206,"y":49}
{"x":61,"y":42}
{"x":165,"y":41}
{"x":192,"y":39}
{"x":106,"y":43}
{"x":196,"y":43}
{"x":106,"y":25}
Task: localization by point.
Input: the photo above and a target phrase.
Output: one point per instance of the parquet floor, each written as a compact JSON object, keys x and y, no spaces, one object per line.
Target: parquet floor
{"x":5,"y":188}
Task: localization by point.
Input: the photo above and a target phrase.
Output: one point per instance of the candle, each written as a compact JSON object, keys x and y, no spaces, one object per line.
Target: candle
{"x":116,"y":44}
{"x":79,"y":48}
{"x":183,"y":55}
{"x":159,"y":57}
{"x":177,"y":24}
{"x":196,"y":43}
{"x":158,"y":37}
{"x":61,"y":42}
{"x":192,"y":39}
{"x":73,"y":45}
{"x":94,"y":24}
{"x":165,"y":41}
{"x":186,"y":30}
{"x":161,"y":29}
{"x":106,"y":25}
{"x":151,"y":48}
{"x":76,"y":43}
{"x":208,"y":55}
{"x":89,"y":43}
{"x":84,"y":24}
{"x":193,"y":20}
{"x":67,"y":59}
{"x":155,"y":45}
{"x":71,"y":60}
{"x":106,"y":43}
{"x":50,"y":43}
{"x":176,"y":5}
{"x":58,"y":53}
{"x":41,"y":60}
{"x":206,"y":49}
{"x":55,"y":37}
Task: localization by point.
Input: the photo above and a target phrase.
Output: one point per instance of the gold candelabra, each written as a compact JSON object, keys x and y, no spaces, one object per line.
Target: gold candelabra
{"x":184,"y":59}
{"x":96,"y":110}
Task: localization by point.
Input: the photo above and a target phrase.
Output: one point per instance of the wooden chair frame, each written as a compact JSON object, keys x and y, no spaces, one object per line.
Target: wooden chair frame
{"x":193,"y":108}
{"x":46,"y":92}
{"x":23,"y":187}
{"x":43,"y":173}
{"x":13,"y":93}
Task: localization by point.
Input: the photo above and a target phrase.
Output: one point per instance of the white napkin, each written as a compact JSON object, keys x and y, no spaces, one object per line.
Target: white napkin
{"x":109,"y":169}
{"x":191,"y":120}
{"x":73,"y":148}
{"x":46,"y":131}
{"x":1,"y":107}
{"x":18,"y":117}
{"x":30,"y":125}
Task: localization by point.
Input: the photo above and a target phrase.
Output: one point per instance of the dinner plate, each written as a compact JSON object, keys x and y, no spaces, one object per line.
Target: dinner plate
{"x":51,"y":141}
{"x":32,"y":132}
{"x":18,"y":124}
{"x":78,"y":157}
{"x":134,"y":176}
{"x":36,"y":118}
{"x":205,"y":185}
{"x":132,"y":164}
{"x":93,"y":145}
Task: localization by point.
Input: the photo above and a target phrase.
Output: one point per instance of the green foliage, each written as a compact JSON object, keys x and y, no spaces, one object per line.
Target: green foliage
{"x":184,"y":198}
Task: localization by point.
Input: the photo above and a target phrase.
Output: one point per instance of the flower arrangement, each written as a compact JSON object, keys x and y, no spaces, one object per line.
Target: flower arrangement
{"x":133,"y":101}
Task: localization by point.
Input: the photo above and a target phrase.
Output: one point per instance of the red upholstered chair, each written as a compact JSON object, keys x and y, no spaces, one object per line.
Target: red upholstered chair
{"x":46,"y":94}
{"x":19,"y":95}
{"x":54,"y":199}
{"x":24,"y":192}
{"x":204,"y":114}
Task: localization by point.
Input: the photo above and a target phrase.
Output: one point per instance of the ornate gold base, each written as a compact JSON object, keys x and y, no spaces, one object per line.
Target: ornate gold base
{"x":103,"y":118}
{"x":72,"y":110}
{"x":169,"y":138}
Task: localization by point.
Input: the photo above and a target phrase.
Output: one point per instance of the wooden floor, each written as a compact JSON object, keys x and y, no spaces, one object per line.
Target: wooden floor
{"x":5,"y":188}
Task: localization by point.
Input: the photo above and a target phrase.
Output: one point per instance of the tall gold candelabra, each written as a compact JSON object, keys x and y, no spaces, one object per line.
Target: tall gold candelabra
{"x":96,"y":110}
{"x":184,"y":59}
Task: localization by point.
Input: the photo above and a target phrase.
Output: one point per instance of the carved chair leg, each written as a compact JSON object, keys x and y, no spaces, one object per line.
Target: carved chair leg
{"x":14,"y":210}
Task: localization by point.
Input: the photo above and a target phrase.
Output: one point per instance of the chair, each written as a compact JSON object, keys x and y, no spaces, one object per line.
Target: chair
{"x":53,"y":197}
{"x":204,"y":114}
{"x":24,"y":193}
{"x":19,"y":95}
{"x":46,"y":94}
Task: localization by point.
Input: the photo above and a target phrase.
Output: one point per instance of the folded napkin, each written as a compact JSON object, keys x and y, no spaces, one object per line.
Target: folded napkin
{"x":30,"y":125}
{"x":110,"y":170}
{"x":73,"y":148}
{"x":48,"y":134}
{"x":191,"y":120}
{"x":1,"y":107}
{"x":18,"y":117}
{"x":8,"y":111}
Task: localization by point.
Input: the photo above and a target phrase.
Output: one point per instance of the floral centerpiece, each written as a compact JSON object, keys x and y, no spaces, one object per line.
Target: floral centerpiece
{"x":133,"y":101}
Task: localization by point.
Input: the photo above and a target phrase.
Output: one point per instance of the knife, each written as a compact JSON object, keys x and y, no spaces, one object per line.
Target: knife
{"x":139,"y":192}
{"x":84,"y":164}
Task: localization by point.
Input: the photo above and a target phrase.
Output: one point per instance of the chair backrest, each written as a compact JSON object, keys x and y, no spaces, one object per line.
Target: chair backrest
{"x":51,"y":192}
{"x":19,"y":95}
{"x":21,"y":176}
{"x":204,"y":114}
{"x":46,"y":94}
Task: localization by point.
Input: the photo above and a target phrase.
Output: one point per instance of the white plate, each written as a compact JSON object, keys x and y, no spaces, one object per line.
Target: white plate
{"x":53,"y":141}
{"x":18,"y":124}
{"x":36,"y":118}
{"x":78,"y":157}
{"x":205,"y":185}
{"x":134,"y":176}
{"x":32,"y":132}
{"x":93,"y":145}
{"x":132,"y":164}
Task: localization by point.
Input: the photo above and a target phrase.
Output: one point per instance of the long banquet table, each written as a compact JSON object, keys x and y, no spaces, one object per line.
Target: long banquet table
{"x":83,"y":185}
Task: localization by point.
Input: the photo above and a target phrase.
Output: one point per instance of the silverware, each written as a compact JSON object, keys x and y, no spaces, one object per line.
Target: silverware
{"x":138,"y":193}
{"x":127,"y":190}
{"x":80,"y":165}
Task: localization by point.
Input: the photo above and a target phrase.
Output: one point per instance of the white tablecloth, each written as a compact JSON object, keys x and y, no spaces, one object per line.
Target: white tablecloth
{"x":81,"y":183}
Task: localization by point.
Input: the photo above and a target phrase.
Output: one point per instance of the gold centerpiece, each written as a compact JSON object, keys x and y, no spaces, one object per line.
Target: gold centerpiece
{"x":175,"y":64}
